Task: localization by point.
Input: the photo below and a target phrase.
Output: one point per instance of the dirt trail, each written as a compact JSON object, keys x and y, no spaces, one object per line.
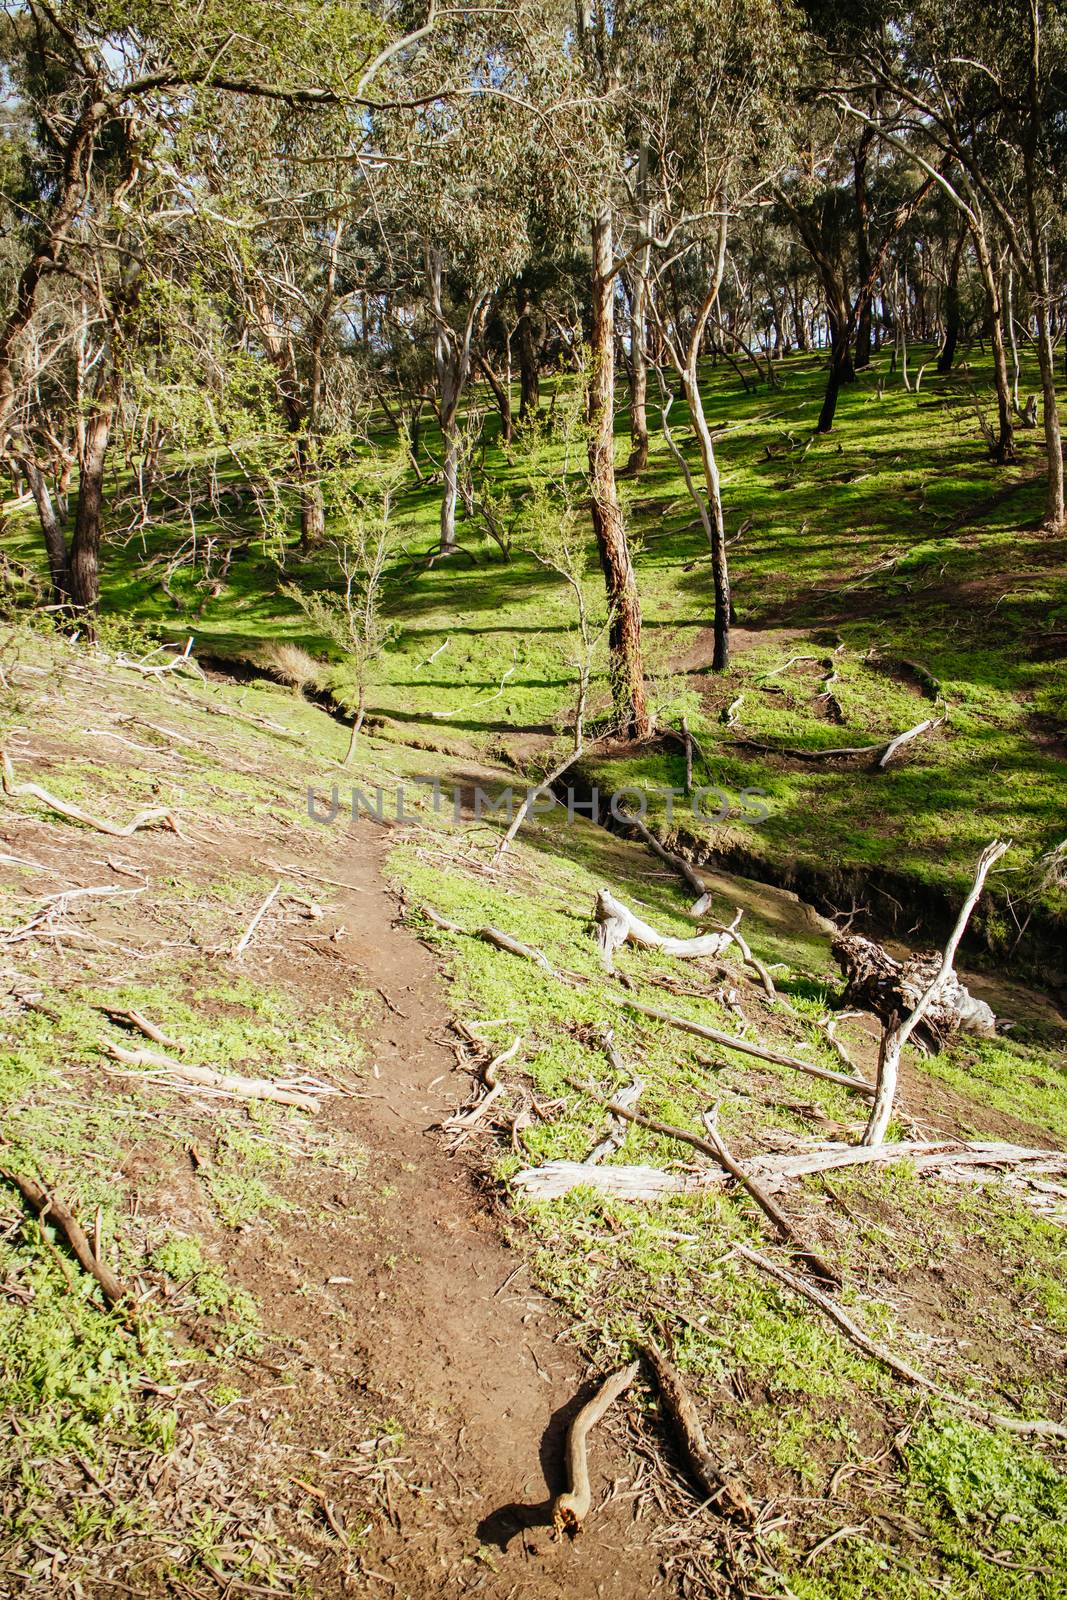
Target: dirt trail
{"x":440,"y":1327}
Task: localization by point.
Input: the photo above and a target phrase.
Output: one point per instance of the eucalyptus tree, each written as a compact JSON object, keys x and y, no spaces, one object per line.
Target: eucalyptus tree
{"x":718,"y":81}
{"x":469,"y":171}
{"x":979,"y":92}
{"x":104,"y":92}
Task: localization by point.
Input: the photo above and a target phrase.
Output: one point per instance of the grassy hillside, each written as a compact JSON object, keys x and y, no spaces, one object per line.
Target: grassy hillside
{"x":884,"y":574}
{"x":197,"y":1438}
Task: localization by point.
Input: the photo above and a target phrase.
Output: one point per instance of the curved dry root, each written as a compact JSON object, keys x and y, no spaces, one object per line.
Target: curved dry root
{"x":570,"y":1510}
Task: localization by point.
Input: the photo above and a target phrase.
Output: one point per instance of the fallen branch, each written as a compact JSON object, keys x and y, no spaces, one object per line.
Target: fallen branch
{"x":504,"y":941}
{"x":47,"y":1208}
{"x":135,"y":1019}
{"x":225,"y":1082}
{"x":724,"y":1492}
{"x":689,"y":877}
{"x":897,"y":1034}
{"x":524,"y":809}
{"x":490,"y":935}
{"x":627,"y":1097}
{"x":570,"y":1510}
{"x":714,"y":1147}
{"x":155,"y":816}
{"x":841,"y":1319}
{"x":883,"y":752}
{"x":617,"y":925}
{"x":729,"y":1041}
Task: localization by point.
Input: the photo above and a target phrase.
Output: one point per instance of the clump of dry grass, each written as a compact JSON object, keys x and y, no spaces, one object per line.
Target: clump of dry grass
{"x":291,"y":664}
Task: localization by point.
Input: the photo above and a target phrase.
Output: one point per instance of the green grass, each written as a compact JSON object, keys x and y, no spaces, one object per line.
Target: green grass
{"x":893,"y":538}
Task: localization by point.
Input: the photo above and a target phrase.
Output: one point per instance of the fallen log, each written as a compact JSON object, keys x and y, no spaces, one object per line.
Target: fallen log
{"x":136,"y":1019}
{"x":617,"y":925}
{"x":527,"y":805}
{"x":47,"y":1208}
{"x":773,"y":1172}
{"x":569,"y":1510}
{"x":723,"y":1491}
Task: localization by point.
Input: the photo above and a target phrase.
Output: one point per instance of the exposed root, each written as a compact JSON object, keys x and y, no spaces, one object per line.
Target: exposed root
{"x":570,"y":1510}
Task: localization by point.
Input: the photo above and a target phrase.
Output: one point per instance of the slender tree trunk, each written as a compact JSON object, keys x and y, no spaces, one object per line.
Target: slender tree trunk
{"x":863,"y":256}
{"x":312,"y":505}
{"x":639,"y":329}
{"x":529,"y":367}
{"x":638,"y":373}
{"x":54,"y":542}
{"x":841,"y":369}
{"x":1046,"y":355}
{"x":83,"y":576}
{"x":1004,"y":450}
{"x":720,"y":571}
{"x":1008,"y":293}
{"x":947,"y":353}
{"x":450,"y":492}
{"x":501,"y":392}
{"x":624,"y":635}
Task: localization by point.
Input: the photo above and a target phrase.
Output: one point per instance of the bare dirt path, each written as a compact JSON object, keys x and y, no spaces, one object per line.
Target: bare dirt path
{"x":438,"y":1326}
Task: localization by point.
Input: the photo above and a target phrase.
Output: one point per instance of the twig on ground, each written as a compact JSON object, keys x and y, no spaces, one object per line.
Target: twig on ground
{"x":242,"y":945}
{"x":136,"y":1019}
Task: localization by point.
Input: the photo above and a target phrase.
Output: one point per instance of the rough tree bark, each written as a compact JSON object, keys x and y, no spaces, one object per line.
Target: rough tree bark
{"x":947,"y":353}
{"x":624,"y":634}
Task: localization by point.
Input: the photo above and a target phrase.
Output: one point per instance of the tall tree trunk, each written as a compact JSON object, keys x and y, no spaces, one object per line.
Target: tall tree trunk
{"x":947,"y":353}
{"x":1003,"y":450}
{"x":863,"y":255}
{"x":639,"y":327}
{"x":624,"y":634}
{"x":1042,"y":301}
{"x":54,"y":542}
{"x":841,"y":368}
{"x":83,"y":569}
{"x":715,"y":524}
{"x":529,"y":367}
{"x":638,"y":373}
